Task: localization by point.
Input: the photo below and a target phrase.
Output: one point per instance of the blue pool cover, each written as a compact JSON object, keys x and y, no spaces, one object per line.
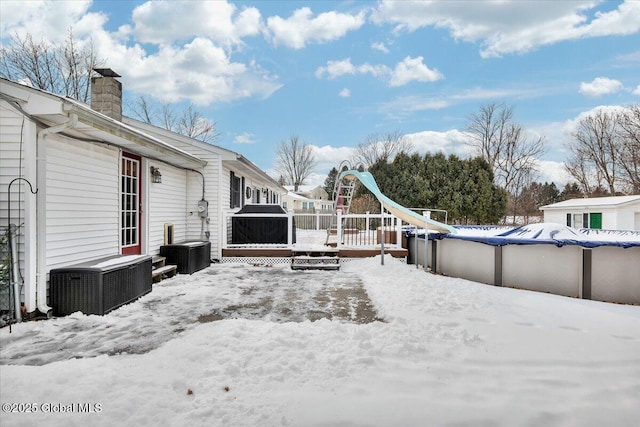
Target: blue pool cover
{"x":536,"y":234}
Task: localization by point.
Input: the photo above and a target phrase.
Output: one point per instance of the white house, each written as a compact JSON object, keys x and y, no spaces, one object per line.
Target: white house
{"x":608,"y":213}
{"x":307,"y":198}
{"x":106,"y":185}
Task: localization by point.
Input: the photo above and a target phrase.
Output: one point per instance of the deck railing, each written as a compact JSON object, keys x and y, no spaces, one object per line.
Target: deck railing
{"x":352,"y":229}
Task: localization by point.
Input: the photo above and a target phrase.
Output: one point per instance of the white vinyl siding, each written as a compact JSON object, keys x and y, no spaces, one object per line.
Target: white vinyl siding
{"x":82,"y":201}
{"x":214,"y":187}
{"x":167,"y":202}
{"x":12,"y":166}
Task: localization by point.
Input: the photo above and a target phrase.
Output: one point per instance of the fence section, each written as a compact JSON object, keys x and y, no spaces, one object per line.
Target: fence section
{"x":603,"y":273}
{"x":353,"y":229}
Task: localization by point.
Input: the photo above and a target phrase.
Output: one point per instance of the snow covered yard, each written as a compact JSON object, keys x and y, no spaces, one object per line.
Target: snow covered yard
{"x":449,"y":352}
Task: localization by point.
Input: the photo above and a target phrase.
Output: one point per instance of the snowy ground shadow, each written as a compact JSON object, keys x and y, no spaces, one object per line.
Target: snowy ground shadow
{"x":223,"y":291}
{"x":267,"y":294}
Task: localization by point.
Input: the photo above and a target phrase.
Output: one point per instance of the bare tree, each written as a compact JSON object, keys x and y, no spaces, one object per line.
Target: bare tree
{"x":193,"y":125}
{"x":488,"y":130}
{"x":378,"y":147}
{"x":519,"y":158}
{"x":629,"y":158}
{"x":579,"y":169}
{"x":189,"y":122}
{"x":594,"y":152}
{"x":512,"y":155}
{"x":295,"y":161}
{"x":62,"y":69}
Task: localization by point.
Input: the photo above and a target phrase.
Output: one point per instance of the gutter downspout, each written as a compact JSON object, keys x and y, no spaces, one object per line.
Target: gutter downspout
{"x":41,"y":227}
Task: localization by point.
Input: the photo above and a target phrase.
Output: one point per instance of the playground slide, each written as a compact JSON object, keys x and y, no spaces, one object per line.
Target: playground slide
{"x":400,"y":211}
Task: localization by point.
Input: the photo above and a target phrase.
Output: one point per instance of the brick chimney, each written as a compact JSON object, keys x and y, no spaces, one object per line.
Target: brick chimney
{"x":106,"y":93}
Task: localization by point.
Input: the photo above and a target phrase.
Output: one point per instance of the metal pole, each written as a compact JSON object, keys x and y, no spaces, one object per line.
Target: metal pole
{"x":382,"y":234}
{"x":15,"y":265}
{"x":427,"y":214}
{"x":415,"y":257}
{"x":289,"y":228}
{"x":339,"y":229}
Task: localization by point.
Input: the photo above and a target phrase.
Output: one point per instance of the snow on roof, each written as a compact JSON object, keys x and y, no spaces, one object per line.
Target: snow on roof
{"x":594,"y":201}
{"x":296,"y":196}
{"x":303,"y":188}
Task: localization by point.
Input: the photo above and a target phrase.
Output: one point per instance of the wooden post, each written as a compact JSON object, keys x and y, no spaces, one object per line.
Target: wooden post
{"x":289,"y":228}
{"x":434,"y":256}
{"x":586,"y":273}
{"x":497,"y":266}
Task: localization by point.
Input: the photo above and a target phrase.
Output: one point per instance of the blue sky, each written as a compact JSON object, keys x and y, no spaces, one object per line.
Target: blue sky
{"x":334,"y":73}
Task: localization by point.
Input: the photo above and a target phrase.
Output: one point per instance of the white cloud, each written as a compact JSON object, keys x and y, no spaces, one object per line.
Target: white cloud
{"x":200,"y":69}
{"x":571,"y":125}
{"x":167,"y":21}
{"x":336,"y":69}
{"x":49,"y":19}
{"x":553,"y":171}
{"x":245,"y":138}
{"x":412,"y":69}
{"x":345,"y":93}
{"x":600,"y":86}
{"x":301,"y":27}
{"x":505,"y":27}
{"x":330,"y":156}
{"x":327,"y":157}
{"x":636,"y":91}
{"x":380,"y":47}
{"x":449,"y":142}
{"x":406,"y":105}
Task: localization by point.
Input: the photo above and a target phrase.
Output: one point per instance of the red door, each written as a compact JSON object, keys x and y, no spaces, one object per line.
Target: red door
{"x":130,"y":207}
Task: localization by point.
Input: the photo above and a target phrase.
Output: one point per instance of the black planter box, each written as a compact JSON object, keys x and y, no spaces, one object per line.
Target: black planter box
{"x":190,"y":256}
{"x":99,"y":286}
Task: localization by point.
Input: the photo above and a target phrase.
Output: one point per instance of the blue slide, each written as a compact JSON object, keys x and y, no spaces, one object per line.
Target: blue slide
{"x":400,"y":211}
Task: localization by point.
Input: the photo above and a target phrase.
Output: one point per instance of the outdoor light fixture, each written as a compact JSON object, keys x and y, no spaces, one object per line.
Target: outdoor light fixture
{"x":156,"y":176}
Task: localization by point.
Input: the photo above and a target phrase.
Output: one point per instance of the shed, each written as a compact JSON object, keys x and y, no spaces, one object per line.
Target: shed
{"x":608,"y":213}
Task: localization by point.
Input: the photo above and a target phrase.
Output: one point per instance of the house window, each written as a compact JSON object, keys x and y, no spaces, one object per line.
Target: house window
{"x":595,"y":220}
{"x":568,"y":220}
{"x":236,"y":190}
{"x":284,"y":205}
{"x":577,"y":220}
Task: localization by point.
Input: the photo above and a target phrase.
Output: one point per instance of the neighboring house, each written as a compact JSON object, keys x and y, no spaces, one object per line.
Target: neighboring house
{"x":109,"y":185}
{"x":310,"y":192}
{"x":608,"y":213}
{"x":307,"y":198}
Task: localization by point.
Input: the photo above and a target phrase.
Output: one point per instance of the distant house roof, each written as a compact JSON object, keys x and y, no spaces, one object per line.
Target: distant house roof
{"x":302,"y":188}
{"x":297,"y":196}
{"x":613,"y":201}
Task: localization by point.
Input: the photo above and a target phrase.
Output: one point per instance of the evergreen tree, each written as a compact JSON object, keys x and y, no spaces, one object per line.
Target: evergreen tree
{"x":464,"y":188}
{"x":571,"y":191}
{"x":330,"y":182}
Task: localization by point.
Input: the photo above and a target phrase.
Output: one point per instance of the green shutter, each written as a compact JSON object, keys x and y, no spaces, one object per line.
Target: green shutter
{"x":595,"y":221}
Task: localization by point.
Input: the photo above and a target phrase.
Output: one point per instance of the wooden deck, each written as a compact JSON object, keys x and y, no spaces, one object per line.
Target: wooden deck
{"x":288,"y":252}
